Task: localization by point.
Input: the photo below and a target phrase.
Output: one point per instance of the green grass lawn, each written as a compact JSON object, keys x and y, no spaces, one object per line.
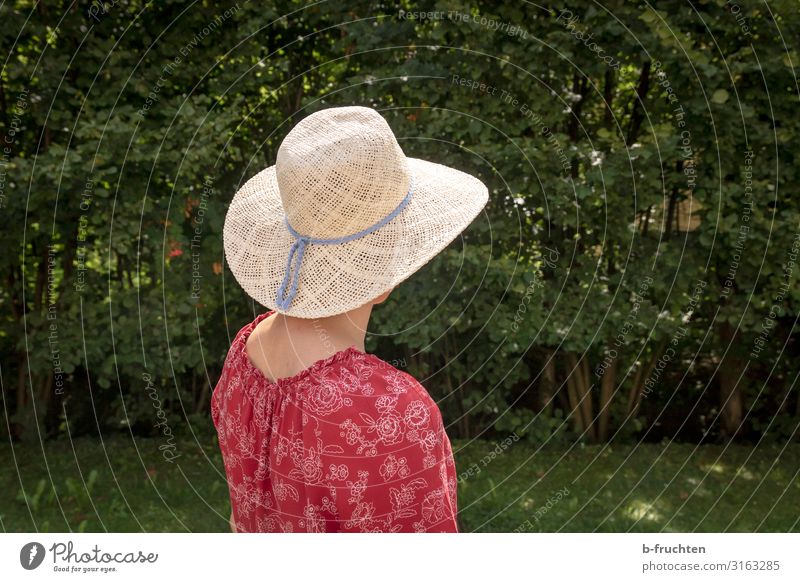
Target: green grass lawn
{"x":123,"y":485}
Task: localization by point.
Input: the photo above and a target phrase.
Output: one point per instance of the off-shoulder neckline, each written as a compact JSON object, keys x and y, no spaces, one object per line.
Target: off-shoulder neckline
{"x":289,"y":380}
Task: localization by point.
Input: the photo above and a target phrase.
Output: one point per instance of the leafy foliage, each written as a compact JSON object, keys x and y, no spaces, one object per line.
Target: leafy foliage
{"x":630,"y":257}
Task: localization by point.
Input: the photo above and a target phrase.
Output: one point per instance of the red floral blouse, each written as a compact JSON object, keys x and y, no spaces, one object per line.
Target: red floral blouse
{"x":350,"y":444}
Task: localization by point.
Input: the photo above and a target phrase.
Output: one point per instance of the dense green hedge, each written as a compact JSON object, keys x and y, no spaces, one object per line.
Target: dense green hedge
{"x":635,"y":274}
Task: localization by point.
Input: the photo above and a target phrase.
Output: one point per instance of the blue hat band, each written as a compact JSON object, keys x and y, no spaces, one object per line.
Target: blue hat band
{"x":288,"y":288}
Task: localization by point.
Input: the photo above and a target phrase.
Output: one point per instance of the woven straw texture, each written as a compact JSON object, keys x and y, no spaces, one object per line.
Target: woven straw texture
{"x":339,"y":171}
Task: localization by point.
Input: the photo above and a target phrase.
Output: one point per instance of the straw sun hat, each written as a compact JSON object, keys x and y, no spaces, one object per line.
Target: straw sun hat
{"x":343,"y":216}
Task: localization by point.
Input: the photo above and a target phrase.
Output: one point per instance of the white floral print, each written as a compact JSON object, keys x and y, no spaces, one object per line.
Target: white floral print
{"x":349,"y":444}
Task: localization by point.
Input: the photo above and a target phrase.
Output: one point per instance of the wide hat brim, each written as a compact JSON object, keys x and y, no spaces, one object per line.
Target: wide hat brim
{"x":337,"y":278}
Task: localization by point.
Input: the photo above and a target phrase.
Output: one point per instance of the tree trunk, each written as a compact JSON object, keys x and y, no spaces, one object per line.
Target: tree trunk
{"x":562,"y":397}
{"x":574,"y":402}
{"x":14,"y":427}
{"x":609,"y":86}
{"x":730,"y":370}
{"x":797,"y":405}
{"x":644,"y":371}
{"x":588,"y":407}
{"x":548,"y":383}
{"x":583,"y":395}
{"x":637,"y":108}
{"x":607,"y":385}
{"x":646,"y":224}
{"x":672,"y":210}
{"x":22,"y":360}
{"x":204,"y":391}
{"x":463,"y":421}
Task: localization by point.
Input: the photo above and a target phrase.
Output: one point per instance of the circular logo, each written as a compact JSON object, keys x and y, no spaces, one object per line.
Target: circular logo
{"x":31,"y":555}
